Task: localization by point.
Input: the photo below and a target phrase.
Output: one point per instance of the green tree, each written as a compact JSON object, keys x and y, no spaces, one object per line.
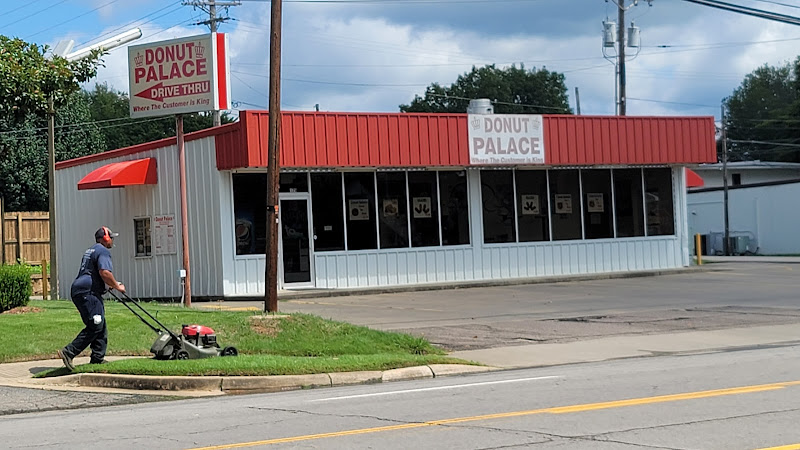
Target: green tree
{"x":765,"y":108}
{"x":28,"y":79}
{"x":512,"y":90}
{"x":23,"y":169}
{"x":107,"y":104}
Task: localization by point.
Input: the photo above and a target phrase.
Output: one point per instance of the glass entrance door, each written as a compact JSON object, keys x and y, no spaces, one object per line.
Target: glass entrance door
{"x":295,"y":241}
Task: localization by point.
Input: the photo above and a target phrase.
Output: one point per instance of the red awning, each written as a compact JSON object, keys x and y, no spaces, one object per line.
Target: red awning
{"x":693,"y":180}
{"x":120,"y":174}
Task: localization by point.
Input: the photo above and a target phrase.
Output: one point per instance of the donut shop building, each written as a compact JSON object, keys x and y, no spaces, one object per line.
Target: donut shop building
{"x":386,"y":199}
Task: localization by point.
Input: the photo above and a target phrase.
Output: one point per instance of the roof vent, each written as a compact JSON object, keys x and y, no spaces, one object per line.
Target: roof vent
{"x":480,"y":106}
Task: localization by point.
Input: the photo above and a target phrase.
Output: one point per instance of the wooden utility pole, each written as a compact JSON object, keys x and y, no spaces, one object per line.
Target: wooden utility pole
{"x":621,"y":57}
{"x":273,"y":159}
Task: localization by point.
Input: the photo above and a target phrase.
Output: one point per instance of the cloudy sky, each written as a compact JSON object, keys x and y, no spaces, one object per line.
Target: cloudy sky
{"x":373,"y":55}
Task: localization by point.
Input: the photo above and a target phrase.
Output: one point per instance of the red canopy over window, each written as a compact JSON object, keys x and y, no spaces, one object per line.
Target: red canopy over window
{"x":121,"y":174}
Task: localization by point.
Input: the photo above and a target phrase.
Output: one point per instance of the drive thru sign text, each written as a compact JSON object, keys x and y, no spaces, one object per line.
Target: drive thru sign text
{"x":179,"y":76}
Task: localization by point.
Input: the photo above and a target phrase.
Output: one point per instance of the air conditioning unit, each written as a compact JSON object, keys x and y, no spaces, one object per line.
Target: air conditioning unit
{"x":739,"y":245}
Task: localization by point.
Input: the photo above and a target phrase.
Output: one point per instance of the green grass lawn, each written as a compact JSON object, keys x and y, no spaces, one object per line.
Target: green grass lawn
{"x":296,"y":344}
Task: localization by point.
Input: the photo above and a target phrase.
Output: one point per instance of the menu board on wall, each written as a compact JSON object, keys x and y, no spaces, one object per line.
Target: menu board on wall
{"x":165,"y":241}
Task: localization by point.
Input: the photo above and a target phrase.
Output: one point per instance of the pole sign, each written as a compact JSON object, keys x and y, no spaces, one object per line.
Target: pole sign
{"x":179,"y":76}
{"x":503,"y":139}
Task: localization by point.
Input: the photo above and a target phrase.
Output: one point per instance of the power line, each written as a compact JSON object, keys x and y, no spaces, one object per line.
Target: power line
{"x":70,"y":20}
{"x":31,"y":15}
{"x":671,"y":103}
{"x":24,"y":5}
{"x":97,"y":38}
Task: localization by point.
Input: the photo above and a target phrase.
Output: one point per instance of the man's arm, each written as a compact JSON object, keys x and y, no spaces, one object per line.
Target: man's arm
{"x":110,"y":281}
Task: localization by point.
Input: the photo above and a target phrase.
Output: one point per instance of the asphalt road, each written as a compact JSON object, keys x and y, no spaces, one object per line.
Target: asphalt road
{"x":730,"y":400}
{"x":730,"y":295}
{"x":727,"y":295}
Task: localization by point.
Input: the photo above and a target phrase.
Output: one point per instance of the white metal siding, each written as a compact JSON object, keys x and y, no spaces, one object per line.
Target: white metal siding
{"x":80,"y":213}
{"x":769,"y":214}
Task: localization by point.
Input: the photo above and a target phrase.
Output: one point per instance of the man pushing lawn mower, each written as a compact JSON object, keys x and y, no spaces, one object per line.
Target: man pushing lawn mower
{"x":96,"y":272}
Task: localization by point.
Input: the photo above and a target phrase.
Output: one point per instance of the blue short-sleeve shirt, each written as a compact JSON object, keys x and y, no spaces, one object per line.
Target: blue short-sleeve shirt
{"x":95,"y":259}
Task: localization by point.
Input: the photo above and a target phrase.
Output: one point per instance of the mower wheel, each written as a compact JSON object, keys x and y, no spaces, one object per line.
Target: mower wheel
{"x":183,"y":354}
{"x":229,"y":351}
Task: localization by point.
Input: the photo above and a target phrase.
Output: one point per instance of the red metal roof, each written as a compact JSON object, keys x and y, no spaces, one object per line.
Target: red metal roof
{"x":120,"y":174}
{"x":314,"y":139}
{"x":601,"y":140}
{"x":320,"y":139}
{"x":349,"y":140}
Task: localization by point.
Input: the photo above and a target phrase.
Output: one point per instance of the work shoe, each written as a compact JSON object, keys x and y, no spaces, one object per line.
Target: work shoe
{"x":67,"y":360}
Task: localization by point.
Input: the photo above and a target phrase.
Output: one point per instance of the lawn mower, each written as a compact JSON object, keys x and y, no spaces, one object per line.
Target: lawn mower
{"x":194,"y":342}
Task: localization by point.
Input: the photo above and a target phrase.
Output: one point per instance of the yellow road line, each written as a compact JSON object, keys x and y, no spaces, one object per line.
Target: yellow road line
{"x":784,"y":447}
{"x":554,"y":410}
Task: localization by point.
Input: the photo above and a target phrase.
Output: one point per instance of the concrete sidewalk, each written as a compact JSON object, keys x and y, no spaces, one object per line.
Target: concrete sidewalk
{"x":535,"y":355}
{"x":753,"y":259}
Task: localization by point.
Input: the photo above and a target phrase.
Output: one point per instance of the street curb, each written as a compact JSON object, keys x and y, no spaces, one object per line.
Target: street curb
{"x":324,"y":293}
{"x":259,"y":384}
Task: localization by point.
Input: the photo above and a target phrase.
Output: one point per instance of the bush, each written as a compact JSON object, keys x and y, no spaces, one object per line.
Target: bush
{"x":15,"y":286}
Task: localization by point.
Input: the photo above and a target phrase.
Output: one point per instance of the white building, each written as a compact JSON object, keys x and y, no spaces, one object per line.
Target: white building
{"x":389,"y":199}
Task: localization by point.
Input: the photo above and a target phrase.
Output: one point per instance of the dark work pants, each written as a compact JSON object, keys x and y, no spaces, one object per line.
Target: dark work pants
{"x":94,"y":336}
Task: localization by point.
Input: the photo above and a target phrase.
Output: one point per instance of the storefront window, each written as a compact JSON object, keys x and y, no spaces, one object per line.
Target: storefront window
{"x":455,"y":210}
{"x":424,"y":209}
{"x":360,"y":202}
{"x":658,"y":196}
{"x":628,"y":199}
{"x":497,"y":194}
{"x":565,"y":200}
{"x":293,"y":182}
{"x":249,"y":191}
{"x":143,"y":239}
{"x":392,"y":209}
{"x":598,"y":223}
{"x":326,"y":206}
{"x":532,"y":213}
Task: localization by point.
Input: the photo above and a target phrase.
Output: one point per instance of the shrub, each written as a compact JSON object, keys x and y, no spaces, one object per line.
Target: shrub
{"x":15,"y":286}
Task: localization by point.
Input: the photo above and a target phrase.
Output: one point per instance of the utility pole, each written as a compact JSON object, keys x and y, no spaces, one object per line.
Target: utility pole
{"x":621,"y":57}
{"x":615,"y":37}
{"x":210,"y":6}
{"x":273,"y":159}
{"x":726,"y":238}
{"x":577,"y":101}
{"x":51,"y":179}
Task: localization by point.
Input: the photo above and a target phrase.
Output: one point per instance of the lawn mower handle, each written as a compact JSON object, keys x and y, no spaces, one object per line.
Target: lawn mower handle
{"x":126,"y":298}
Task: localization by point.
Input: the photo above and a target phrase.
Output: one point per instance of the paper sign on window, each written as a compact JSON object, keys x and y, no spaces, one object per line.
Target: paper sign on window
{"x":530,"y":204}
{"x":422,"y":207}
{"x":390,"y":207}
{"x":359,"y":209}
{"x":563,"y":203}
{"x":594,"y":202}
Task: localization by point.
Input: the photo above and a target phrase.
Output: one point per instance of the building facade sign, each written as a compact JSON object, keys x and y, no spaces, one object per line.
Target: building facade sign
{"x":179,"y":76}
{"x":503,"y":139}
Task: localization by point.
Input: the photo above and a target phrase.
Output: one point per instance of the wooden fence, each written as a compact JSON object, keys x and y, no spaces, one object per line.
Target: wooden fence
{"x":25,"y":236}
